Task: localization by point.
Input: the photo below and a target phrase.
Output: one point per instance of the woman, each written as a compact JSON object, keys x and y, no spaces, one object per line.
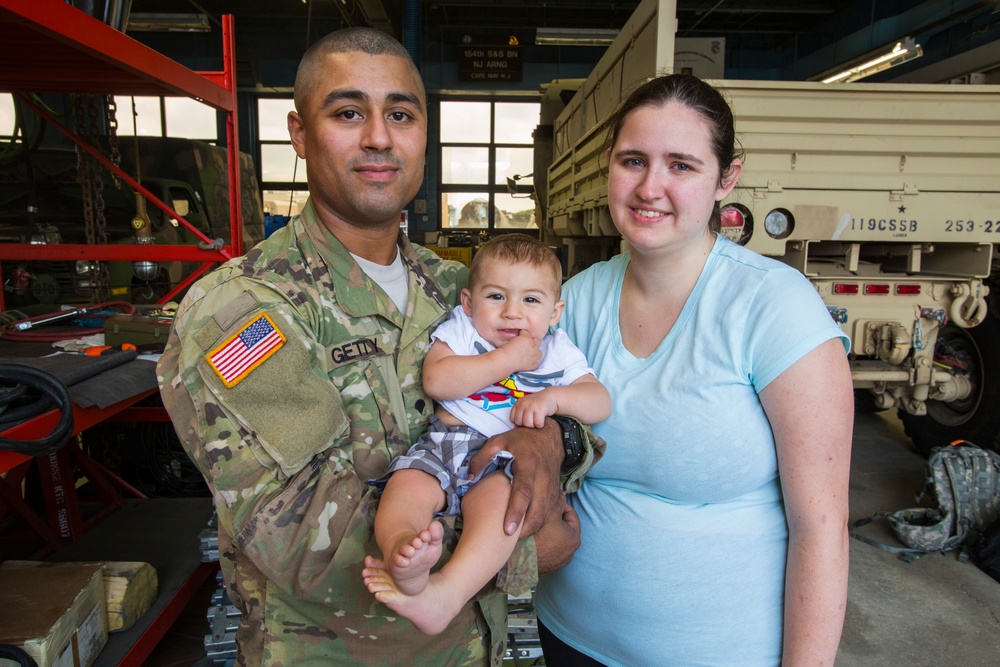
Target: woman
{"x":714,"y":528}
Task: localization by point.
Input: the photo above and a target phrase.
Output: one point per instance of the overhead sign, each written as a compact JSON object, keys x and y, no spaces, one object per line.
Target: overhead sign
{"x":489,"y":63}
{"x":705,"y":57}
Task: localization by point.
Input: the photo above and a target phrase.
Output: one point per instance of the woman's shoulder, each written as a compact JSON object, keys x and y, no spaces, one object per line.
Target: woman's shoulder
{"x":743,"y":256}
{"x":752,"y":267}
{"x":599,"y":274}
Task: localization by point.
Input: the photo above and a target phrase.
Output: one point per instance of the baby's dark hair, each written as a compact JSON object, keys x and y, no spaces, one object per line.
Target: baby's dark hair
{"x":692,"y":92}
{"x":517,"y":249}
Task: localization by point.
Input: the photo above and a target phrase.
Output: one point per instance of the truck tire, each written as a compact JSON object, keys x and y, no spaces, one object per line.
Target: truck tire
{"x":975,"y":418}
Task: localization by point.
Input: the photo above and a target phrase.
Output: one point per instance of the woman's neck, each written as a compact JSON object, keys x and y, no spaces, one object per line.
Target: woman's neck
{"x":654,"y":292}
{"x":658,"y":275}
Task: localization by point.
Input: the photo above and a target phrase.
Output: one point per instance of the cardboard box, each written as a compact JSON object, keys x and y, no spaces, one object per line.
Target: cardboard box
{"x":129,"y":592}
{"x":54,"y":611}
{"x":129,"y":589}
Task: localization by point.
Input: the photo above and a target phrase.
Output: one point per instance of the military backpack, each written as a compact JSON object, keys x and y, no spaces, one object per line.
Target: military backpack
{"x":958,"y":501}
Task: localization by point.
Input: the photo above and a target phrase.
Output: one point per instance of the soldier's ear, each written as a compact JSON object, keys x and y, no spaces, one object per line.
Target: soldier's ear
{"x":297,"y":133}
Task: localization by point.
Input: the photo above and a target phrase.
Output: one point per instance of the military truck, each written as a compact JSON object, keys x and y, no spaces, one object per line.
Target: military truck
{"x":885,"y":196}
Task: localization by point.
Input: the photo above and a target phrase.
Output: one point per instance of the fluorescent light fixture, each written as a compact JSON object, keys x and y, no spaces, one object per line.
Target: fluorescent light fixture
{"x":900,"y":52}
{"x":167,"y":23}
{"x":574,"y":37}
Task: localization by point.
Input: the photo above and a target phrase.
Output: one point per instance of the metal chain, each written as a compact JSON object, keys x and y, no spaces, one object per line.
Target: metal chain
{"x":112,"y":132}
{"x":97,"y":171}
{"x":82,"y":170}
{"x":90,"y":175}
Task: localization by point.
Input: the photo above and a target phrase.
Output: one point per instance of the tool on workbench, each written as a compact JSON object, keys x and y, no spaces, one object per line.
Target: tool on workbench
{"x":101,"y":350}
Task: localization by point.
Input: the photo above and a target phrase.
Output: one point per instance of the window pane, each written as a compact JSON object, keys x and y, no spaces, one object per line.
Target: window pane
{"x":278,"y":162}
{"x":466,"y":122}
{"x":147,"y":110}
{"x":465,"y":165}
{"x":6,"y":114}
{"x":515,"y":162}
{"x":190,"y":118}
{"x":272,"y":118}
{"x":284,"y":202}
{"x":464,"y":209}
{"x":514,"y":212}
{"x":515,"y":122}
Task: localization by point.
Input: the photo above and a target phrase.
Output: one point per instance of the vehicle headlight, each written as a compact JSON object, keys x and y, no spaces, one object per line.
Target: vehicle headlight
{"x":779,"y":223}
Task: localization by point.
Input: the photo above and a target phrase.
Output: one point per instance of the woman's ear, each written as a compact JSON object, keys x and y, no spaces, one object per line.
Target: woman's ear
{"x":730,"y":177}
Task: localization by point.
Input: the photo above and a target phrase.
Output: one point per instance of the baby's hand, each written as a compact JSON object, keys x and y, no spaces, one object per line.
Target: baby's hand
{"x":532,"y":409}
{"x":524,"y":352}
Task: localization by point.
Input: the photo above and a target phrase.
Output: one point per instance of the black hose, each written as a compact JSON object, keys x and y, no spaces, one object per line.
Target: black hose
{"x":52,"y":393}
{"x":16,"y":654}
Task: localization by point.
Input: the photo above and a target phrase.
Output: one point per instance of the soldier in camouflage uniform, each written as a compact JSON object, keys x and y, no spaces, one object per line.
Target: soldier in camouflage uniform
{"x":291,"y":376}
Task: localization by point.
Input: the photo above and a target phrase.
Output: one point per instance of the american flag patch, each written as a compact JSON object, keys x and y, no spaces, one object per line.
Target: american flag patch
{"x":245,"y":351}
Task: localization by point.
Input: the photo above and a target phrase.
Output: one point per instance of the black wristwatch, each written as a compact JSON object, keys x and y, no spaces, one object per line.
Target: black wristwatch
{"x":572,"y":441}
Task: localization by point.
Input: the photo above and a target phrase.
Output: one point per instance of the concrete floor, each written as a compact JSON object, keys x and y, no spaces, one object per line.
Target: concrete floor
{"x":935,"y":611}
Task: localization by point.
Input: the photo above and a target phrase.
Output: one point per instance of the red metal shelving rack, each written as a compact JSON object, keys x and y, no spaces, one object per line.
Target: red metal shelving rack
{"x":50,"y":46}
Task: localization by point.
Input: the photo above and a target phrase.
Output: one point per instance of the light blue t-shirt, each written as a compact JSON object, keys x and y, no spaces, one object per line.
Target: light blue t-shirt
{"x":682,"y":523}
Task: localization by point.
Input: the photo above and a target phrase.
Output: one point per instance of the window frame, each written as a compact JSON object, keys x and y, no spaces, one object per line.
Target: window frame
{"x":491,"y":187}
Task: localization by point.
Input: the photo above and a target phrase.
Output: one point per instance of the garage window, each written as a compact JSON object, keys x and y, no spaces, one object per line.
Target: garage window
{"x":486,"y":165}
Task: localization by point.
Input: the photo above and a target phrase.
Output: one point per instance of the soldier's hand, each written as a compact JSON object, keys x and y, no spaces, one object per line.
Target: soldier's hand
{"x":534,"y":493}
{"x":558,"y":539}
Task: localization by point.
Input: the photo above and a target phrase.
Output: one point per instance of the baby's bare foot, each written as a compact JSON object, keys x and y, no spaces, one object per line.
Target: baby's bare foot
{"x":430,"y":611}
{"x":411,"y":564}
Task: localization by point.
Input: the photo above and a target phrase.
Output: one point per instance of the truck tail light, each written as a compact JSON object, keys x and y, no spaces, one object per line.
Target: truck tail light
{"x":737,"y":223}
{"x":907,"y":289}
{"x":732,"y":217}
{"x":876,"y":289}
{"x":845,"y":288}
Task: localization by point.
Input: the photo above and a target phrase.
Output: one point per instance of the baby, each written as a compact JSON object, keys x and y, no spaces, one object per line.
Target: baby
{"x":491,"y":366}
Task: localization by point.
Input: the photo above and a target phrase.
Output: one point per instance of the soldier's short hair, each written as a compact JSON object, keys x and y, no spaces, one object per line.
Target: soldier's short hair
{"x":517,"y":249}
{"x":362,"y":40}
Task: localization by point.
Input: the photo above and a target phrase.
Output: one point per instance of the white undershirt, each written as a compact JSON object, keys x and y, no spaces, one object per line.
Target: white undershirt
{"x":392,"y":278}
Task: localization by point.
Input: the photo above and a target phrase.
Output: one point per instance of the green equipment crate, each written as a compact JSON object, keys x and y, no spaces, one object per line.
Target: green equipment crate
{"x":137,"y":329}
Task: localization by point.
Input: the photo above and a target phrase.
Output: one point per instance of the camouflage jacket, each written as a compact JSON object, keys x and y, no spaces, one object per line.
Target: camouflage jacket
{"x":291,"y":378}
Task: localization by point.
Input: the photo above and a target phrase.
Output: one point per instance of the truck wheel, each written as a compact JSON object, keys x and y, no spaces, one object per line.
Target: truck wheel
{"x":975,"y":418}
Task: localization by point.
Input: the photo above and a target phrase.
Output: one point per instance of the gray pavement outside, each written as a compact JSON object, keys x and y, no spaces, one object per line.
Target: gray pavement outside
{"x":935,"y":611}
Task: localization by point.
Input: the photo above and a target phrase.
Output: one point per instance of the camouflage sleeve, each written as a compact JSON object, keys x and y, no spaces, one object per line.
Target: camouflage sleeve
{"x":593,"y":450}
{"x":259,"y":441}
